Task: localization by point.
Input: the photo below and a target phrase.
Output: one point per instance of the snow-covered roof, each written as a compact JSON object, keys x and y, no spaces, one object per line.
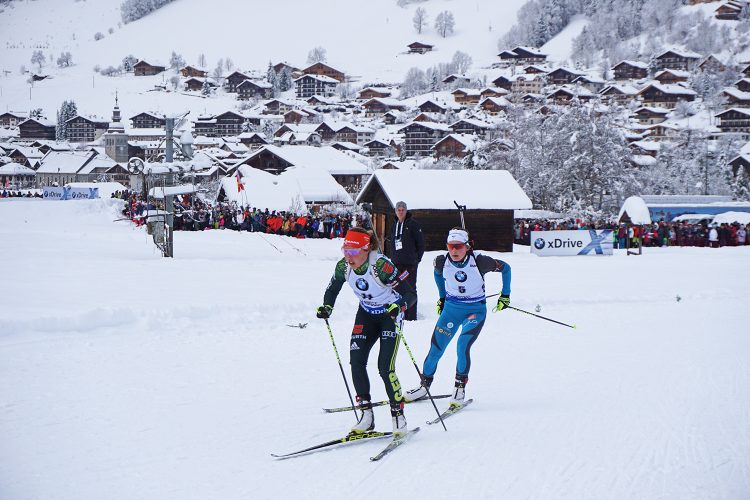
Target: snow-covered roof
{"x":316,"y":184}
{"x":669,"y":89}
{"x":159,"y":192}
{"x":472,"y":121}
{"x":644,"y":160}
{"x":742,"y":111}
{"x":478,"y":189}
{"x":737,"y":93}
{"x":636,"y":209}
{"x":635,"y":64}
{"x":730,"y":217}
{"x":103,"y":164}
{"x":14,"y":168}
{"x":430,"y":125}
{"x":262,"y":190}
{"x":64,"y":162}
{"x":689,"y":54}
{"x":675,"y":72}
{"x":469,"y":142}
{"x":320,"y":78}
{"x":622,"y":89}
{"x":28,"y":151}
{"x":652,"y":110}
{"x":324,"y":158}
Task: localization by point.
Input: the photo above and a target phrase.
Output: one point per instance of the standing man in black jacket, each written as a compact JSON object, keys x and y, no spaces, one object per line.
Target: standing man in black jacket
{"x":407,"y":248}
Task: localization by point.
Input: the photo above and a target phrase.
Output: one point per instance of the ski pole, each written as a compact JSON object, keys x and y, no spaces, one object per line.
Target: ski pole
{"x":336,"y":351}
{"x":532,"y":314}
{"x":401,"y":334}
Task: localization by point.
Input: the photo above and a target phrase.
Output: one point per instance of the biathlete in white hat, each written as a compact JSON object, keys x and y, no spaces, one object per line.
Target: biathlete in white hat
{"x":459,"y":275}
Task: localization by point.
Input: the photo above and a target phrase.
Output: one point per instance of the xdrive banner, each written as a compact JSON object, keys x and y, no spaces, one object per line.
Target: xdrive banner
{"x":68,"y":193}
{"x":581,"y":242}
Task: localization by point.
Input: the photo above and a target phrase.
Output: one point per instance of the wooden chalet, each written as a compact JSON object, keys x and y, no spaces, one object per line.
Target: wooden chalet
{"x":382,"y":105}
{"x":522,"y":55}
{"x":664,"y":132}
{"x":650,"y":116}
{"x":27,"y":156}
{"x":253,"y":140}
{"x":427,"y":117}
{"x":322,"y":69}
{"x":735,"y":98}
{"x":83,"y":129}
{"x":590,"y":83}
{"x":36,"y":128}
{"x":503,"y":82}
{"x":296,"y":116}
{"x":490,"y":195}
{"x":373,"y":92}
{"x":279,"y":67}
{"x":494,"y":105}
{"x":665,"y":96}
{"x":620,"y":94}
{"x":533,"y":69}
{"x":684,"y":60}
{"x":630,"y":70}
{"x":456,"y":80}
{"x":254,"y":89}
{"x":738,"y":162}
{"x":562,"y":76}
{"x":377,"y":147}
{"x":278,"y":107}
{"x":229,"y":124}
{"x":731,"y":11}
{"x":454,"y":146}
{"x":144,"y":68}
{"x":193,"y":84}
{"x":234,"y":80}
{"x":467,"y":96}
{"x":746,"y":70}
{"x":470,"y":126}
{"x":192,"y":71}
{"x":712,"y":64}
{"x":671,"y":76}
{"x":148,"y":120}
{"x":309,"y":85}
{"x":743,"y":85}
{"x":419,"y":48}
{"x":391,"y":117}
{"x":12,"y":119}
{"x":419,"y":137}
{"x":430,"y":106}
{"x":493,"y":92}
{"x":735,"y":120}
{"x":565,"y":95}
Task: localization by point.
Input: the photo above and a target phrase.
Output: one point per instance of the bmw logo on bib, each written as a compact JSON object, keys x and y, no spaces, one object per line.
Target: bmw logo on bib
{"x":362,"y":284}
{"x":461,"y":276}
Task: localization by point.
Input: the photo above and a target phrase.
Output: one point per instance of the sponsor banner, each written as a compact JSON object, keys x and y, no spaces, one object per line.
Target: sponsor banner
{"x":581,"y":242}
{"x":69,"y":193}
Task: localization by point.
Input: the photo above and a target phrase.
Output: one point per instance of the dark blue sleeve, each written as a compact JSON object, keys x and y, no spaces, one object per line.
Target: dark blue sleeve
{"x":438,"y":274}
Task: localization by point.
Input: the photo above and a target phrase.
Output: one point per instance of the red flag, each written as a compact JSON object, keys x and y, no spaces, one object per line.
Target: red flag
{"x":240,"y":186}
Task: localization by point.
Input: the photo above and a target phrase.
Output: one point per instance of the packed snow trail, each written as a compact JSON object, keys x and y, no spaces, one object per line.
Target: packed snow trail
{"x":125,"y":375}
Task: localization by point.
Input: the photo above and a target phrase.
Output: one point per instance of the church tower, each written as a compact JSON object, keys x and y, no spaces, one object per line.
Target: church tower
{"x":115,"y":139}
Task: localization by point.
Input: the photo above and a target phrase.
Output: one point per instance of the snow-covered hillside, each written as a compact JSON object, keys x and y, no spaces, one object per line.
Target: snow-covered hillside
{"x":125,"y":375}
{"x":366,"y":40}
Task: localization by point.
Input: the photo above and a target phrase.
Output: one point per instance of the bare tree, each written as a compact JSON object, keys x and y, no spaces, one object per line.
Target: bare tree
{"x":175,"y":81}
{"x":420,"y":19}
{"x":38,"y":58}
{"x":229,"y":64}
{"x":202,"y":61}
{"x":65,"y":59}
{"x":461,"y":62}
{"x":444,"y":23}
{"x":316,"y":55}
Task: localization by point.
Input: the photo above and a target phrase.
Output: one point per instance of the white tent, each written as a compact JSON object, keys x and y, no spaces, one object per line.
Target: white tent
{"x":730,"y":217}
{"x":261,"y":190}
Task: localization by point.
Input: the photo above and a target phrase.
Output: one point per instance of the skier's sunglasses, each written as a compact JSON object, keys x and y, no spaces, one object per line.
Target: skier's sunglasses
{"x":351,"y":252}
{"x":456,"y":246}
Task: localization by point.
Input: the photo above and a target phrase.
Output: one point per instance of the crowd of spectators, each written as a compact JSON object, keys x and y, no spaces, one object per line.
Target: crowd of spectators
{"x":19,"y":194}
{"x":658,"y":234}
{"x":193,"y":214}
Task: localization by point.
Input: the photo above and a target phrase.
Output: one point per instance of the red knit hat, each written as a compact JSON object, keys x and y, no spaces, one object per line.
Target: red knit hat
{"x":355,"y":239}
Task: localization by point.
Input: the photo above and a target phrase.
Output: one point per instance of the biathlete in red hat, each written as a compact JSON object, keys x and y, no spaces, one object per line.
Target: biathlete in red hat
{"x":383,"y":295}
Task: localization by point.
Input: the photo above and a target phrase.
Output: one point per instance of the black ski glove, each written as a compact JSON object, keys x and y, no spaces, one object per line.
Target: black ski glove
{"x":324,"y":311}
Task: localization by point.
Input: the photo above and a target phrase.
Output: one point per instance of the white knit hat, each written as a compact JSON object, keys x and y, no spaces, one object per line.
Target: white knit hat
{"x":458,"y":236}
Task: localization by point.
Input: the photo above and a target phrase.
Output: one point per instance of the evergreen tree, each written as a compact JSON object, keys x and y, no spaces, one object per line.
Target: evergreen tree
{"x":68,"y":110}
{"x":285,"y":79}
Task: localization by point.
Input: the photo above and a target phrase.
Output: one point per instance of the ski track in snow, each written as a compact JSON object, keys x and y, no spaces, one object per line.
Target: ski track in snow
{"x":125,"y":375}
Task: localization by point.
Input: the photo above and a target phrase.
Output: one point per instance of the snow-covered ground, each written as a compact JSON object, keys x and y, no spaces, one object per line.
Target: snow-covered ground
{"x":125,"y":375}
{"x":366,"y":40}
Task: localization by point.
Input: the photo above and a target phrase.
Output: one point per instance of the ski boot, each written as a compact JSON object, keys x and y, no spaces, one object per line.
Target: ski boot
{"x":367,"y":420}
{"x":420,"y":391}
{"x":398,"y":418}
{"x":459,"y":391}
